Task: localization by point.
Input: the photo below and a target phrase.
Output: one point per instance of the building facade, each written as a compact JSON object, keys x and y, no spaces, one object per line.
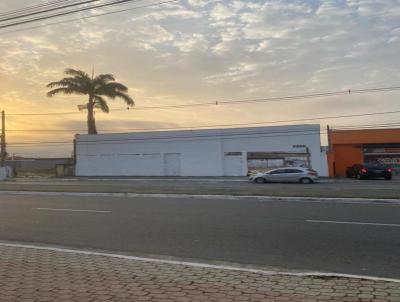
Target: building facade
{"x":215,"y":152}
{"x":349,"y":147}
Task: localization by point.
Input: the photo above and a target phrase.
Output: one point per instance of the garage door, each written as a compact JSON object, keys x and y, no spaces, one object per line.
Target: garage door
{"x":233,"y":164}
{"x":172,"y":164}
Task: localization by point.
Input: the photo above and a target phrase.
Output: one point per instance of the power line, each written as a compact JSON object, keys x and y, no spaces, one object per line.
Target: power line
{"x":277,"y":99}
{"x":89,"y":17}
{"x":66,"y":13}
{"x":279,"y":121}
{"x":216,"y":136}
{"x":298,"y":132}
{"x":46,"y":10}
{"x":334,"y":127}
{"x":35,"y":7}
{"x":242,"y":101}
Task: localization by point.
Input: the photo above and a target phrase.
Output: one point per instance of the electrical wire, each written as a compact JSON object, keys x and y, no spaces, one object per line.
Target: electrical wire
{"x":88,"y":17}
{"x":66,"y":13}
{"x":184,"y":135}
{"x":277,"y":99}
{"x":335,"y":127}
{"x":179,"y":137}
{"x":46,"y":10}
{"x":242,"y":101}
{"x":35,"y":7}
{"x":279,"y":121}
{"x":216,"y":135}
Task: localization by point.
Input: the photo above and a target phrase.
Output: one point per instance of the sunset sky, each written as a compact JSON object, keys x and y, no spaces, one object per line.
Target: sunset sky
{"x":203,"y":50}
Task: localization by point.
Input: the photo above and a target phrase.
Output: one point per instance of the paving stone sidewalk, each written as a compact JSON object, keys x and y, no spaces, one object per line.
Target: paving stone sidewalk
{"x":28,"y":274}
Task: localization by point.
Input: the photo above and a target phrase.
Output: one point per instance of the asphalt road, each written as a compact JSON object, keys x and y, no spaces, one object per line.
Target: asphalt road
{"x":238,"y":186}
{"x":355,"y":238}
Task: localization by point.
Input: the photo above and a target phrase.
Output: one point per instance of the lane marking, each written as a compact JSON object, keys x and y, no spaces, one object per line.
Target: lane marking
{"x":344,"y":200}
{"x":197,"y":264}
{"x":71,"y":210}
{"x":355,"y":223}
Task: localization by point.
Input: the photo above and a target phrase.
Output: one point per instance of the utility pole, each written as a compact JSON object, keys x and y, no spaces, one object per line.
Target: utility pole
{"x":328,"y":130}
{"x":3,"y":139}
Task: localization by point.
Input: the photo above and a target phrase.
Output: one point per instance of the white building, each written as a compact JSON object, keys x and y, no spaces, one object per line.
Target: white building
{"x":216,"y":152}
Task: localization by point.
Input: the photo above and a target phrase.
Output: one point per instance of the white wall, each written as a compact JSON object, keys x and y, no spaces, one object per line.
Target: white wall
{"x":201,"y":151}
{"x":3,"y":173}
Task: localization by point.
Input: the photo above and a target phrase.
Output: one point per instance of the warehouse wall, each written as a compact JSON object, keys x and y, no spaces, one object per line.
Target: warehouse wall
{"x":201,"y":153}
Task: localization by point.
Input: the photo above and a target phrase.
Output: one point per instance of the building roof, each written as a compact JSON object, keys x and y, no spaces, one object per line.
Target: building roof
{"x":287,"y":130}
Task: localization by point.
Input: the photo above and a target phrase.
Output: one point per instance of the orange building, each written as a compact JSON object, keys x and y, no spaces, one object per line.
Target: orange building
{"x":349,"y":147}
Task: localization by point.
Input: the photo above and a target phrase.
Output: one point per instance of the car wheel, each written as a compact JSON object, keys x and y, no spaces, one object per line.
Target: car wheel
{"x":259,"y":180}
{"x":388,"y":177}
{"x":306,"y":180}
{"x":359,"y":176}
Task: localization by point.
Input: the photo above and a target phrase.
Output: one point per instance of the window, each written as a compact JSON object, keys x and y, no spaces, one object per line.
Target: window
{"x":293,"y":171}
{"x":281,"y":171}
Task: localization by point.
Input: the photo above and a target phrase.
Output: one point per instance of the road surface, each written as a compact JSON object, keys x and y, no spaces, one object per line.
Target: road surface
{"x":354,"y":238}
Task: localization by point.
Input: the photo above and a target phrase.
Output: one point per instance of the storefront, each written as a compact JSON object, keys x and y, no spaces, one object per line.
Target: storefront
{"x":349,"y":147}
{"x":387,"y":154}
{"x":262,"y":161}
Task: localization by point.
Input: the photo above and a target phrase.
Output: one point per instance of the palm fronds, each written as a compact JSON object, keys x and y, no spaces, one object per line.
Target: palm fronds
{"x":97,"y":89}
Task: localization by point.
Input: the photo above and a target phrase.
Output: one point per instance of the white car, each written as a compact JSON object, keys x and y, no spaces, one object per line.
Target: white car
{"x":289,"y":174}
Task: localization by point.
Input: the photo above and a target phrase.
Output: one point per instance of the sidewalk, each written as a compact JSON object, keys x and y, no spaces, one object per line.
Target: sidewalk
{"x":31,"y":274}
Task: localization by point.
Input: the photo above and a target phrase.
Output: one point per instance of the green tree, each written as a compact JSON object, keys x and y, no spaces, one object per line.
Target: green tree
{"x":96,"y":88}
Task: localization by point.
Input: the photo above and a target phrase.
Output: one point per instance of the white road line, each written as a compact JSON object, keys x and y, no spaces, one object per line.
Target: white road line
{"x":355,"y":222}
{"x":71,"y":210}
{"x":197,"y":264}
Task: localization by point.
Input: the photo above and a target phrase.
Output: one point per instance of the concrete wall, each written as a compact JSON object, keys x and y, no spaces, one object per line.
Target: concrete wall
{"x":201,"y":152}
{"x":37,"y":164}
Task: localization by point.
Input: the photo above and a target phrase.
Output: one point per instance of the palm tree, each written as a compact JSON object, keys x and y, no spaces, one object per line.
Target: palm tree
{"x":96,"y":88}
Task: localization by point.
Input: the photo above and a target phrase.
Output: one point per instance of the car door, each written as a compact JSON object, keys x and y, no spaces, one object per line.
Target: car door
{"x":277,"y":175}
{"x":294,"y":175}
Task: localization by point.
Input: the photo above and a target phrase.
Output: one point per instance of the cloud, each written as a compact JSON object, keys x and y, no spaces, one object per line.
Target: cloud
{"x":221,"y":12}
{"x":235,"y":73}
{"x":197,"y":3}
{"x":189,"y":43}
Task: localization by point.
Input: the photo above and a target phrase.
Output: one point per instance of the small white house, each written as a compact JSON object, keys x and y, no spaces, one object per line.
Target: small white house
{"x":215,"y":152}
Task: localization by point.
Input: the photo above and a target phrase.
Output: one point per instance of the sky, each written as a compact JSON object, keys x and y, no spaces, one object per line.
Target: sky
{"x":198,"y":51}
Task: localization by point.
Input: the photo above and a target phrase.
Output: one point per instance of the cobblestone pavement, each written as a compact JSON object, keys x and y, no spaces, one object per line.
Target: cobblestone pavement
{"x":28,"y":274}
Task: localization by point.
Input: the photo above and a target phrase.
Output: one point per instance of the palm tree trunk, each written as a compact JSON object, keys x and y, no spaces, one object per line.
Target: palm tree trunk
{"x":91,"y":120}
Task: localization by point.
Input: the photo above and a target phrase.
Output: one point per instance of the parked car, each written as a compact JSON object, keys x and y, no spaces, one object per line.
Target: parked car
{"x":289,"y":174}
{"x":369,"y":171}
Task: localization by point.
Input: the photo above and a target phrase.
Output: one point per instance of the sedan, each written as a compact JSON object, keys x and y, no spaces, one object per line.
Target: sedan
{"x":369,"y":170}
{"x":296,"y":174}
